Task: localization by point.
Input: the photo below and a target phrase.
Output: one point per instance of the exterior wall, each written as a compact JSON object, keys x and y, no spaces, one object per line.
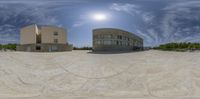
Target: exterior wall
{"x":112,"y":48}
{"x":26,"y":47}
{"x":28,"y":34}
{"x":47,"y":35}
{"x":45,"y":47}
{"x":108,"y":39}
{"x":35,"y":38}
{"x":55,"y":47}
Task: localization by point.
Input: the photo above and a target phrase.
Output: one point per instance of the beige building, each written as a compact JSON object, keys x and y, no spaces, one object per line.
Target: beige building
{"x":109,"y":39}
{"x":43,"y":39}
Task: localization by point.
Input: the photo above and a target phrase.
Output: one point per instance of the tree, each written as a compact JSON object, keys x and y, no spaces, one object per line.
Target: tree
{"x":8,"y":46}
{"x":183,"y":46}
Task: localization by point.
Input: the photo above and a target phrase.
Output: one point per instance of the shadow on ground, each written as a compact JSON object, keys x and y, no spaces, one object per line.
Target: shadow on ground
{"x":113,"y":52}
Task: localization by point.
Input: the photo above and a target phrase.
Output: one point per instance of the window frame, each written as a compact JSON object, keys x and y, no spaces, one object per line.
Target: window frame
{"x":55,"y":33}
{"x":55,"y":41}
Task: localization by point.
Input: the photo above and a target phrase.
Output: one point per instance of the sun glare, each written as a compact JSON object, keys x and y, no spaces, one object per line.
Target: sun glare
{"x":99,"y":17}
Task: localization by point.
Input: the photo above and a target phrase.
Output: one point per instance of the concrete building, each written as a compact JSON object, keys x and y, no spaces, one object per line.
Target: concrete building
{"x":109,"y":39}
{"x":35,"y":38}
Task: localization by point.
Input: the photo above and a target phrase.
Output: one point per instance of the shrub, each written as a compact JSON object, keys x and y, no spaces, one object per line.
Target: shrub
{"x":82,"y":48}
{"x":183,"y":46}
{"x":8,"y":46}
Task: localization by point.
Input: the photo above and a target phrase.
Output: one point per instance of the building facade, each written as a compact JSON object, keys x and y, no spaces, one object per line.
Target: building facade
{"x":35,"y":38}
{"x":109,"y":39}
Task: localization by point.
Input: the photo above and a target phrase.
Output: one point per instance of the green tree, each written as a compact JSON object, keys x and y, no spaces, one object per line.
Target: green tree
{"x":182,"y":46}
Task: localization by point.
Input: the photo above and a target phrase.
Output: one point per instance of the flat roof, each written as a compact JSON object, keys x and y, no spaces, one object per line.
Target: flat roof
{"x":40,"y":26}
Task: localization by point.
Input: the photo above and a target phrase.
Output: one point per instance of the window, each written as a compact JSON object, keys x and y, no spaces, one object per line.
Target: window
{"x":120,"y":43}
{"x":113,"y":42}
{"x":123,"y":43}
{"x":107,"y":42}
{"x":95,"y":36}
{"x":54,"y":48}
{"x":55,"y":40}
{"x":114,"y":36}
{"x":117,"y":42}
{"x":98,"y":42}
{"x":101,"y":36}
{"x":55,"y":33}
{"x":38,"y":38}
{"x":111,"y":36}
{"x":107,"y":36}
{"x":124,"y":38}
{"x":119,"y":37}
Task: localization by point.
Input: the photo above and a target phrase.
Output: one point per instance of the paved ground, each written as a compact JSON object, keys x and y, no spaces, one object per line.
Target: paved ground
{"x":85,"y":75}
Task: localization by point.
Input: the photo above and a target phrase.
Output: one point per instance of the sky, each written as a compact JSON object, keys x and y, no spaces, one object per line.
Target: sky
{"x":156,"y":21}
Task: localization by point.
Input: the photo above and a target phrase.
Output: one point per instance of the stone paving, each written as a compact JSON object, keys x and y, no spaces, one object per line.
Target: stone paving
{"x":85,"y":75}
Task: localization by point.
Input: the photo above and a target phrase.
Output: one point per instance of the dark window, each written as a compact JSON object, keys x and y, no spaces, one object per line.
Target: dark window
{"x":55,"y":40}
{"x":117,"y":42}
{"x":38,"y":48}
{"x":55,"y":33}
{"x":38,"y":38}
{"x":120,"y":37}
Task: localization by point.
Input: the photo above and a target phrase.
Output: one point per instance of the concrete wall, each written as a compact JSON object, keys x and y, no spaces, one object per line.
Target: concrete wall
{"x":55,"y":47}
{"x":28,"y":34}
{"x":47,"y":34}
{"x":128,"y":41}
{"x":44,"y":47}
{"x":112,"y":48}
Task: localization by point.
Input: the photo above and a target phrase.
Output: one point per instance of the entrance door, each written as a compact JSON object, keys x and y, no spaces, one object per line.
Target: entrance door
{"x":37,"y":48}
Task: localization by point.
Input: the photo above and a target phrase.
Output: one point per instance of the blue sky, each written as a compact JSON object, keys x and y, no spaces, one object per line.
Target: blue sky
{"x":156,"y":21}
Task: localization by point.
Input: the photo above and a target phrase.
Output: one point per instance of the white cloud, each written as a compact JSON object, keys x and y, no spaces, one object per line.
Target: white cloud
{"x":183,"y":5}
{"x":18,"y":15}
{"x":40,"y":2}
{"x":148,"y":17}
{"x":178,"y":17}
{"x":81,"y":21}
{"x":7,"y":34}
{"x":177,"y":22}
{"x":127,"y":8}
{"x":147,"y":39}
{"x":78,"y":24}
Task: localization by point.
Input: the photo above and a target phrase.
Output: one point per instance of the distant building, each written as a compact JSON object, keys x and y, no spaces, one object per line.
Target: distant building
{"x":108,"y":39}
{"x":35,"y":38}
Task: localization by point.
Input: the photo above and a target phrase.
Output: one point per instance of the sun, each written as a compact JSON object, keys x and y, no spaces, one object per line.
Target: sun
{"x":99,"y":16}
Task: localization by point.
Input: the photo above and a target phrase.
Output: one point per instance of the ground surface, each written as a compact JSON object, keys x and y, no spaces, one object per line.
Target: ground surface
{"x":83,"y":75}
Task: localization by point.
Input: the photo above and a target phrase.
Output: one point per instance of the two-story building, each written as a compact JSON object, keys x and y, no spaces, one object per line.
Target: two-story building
{"x":110,"y":39}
